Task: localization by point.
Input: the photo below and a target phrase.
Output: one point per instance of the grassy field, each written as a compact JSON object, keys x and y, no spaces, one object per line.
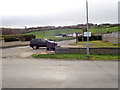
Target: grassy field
{"x":77,"y":56}
{"x":97,"y":44}
{"x":103,"y":30}
{"x":50,"y":34}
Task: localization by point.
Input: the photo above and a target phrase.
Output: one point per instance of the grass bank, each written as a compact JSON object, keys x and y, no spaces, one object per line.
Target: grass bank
{"x":97,"y":44}
{"x":77,"y":56}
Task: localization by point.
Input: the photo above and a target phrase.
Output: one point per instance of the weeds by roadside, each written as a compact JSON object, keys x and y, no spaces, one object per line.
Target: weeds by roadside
{"x":77,"y":56}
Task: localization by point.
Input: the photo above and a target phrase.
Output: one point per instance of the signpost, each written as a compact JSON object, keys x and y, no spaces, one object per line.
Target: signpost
{"x":87,"y":34}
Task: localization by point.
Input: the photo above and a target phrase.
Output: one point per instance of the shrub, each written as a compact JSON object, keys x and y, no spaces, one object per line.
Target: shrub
{"x":26,"y":37}
{"x":9,"y":38}
{"x":84,"y":38}
{"x":97,"y":37}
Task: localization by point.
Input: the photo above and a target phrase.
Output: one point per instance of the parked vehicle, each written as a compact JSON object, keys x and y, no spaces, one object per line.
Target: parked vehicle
{"x":42,"y":42}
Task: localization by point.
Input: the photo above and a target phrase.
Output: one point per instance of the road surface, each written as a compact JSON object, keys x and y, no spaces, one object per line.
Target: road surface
{"x":20,"y":70}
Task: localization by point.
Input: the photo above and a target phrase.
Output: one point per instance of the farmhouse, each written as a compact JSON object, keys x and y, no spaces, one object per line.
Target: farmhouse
{"x":74,"y":34}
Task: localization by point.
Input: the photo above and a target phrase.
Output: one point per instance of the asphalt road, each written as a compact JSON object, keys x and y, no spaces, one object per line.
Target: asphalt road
{"x":20,"y":70}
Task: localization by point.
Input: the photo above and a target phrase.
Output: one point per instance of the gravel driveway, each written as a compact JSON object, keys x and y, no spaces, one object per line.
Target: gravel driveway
{"x":26,"y":51}
{"x":21,"y":52}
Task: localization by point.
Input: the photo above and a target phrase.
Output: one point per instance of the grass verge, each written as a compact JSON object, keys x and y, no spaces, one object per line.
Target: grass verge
{"x":97,"y":44}
{"x":76,"y":56}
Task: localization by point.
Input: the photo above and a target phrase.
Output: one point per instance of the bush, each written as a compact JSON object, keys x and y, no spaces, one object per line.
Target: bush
{"x":97,"y":37}
{"x":9,"y":38}
{"x":80,"y":38}
{"x":84,"y":38}
{"x":26,"y":37}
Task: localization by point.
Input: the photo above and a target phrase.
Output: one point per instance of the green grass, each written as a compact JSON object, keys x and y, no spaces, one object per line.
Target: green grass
{"x":77,"y":56}
{"x":98,"y":44}
{"x":50,"y":34}
{"x":104,"y":30}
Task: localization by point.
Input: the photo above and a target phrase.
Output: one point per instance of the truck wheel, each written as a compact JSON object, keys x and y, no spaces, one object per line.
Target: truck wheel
{"x":35,"y":47}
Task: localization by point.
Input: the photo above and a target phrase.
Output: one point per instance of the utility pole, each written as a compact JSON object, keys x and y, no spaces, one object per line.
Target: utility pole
{"x":87,"y":27}
{"x":76,"y":38}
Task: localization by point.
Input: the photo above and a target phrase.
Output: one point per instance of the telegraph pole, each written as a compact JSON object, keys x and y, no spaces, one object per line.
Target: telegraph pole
{"x":87,"y":27}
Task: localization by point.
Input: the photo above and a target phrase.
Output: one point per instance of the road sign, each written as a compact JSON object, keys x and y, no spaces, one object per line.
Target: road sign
{"x":87,"y":34}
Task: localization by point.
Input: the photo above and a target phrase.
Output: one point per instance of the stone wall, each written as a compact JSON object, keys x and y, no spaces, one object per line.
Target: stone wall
{"x":84,"y":50}
{"x":112,"y":37}
{"x":12,"y":44}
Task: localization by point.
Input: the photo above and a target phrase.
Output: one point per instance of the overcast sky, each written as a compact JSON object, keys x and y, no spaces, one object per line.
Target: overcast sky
{"x":20,"y":13}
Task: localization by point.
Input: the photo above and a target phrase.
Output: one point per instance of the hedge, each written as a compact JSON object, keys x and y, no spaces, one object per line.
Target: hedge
{"x":9,"y":38}
{"x":98,"y":37}
{"x":26,"y":37}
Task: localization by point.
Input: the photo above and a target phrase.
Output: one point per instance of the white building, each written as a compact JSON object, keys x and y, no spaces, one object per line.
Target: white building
{"x":74,"y":34}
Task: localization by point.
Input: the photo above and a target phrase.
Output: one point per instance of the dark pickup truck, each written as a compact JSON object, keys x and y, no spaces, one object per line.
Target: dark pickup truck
{"x":41,"y":42}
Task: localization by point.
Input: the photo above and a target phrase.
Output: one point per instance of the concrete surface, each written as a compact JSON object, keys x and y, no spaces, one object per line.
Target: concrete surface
{"x":20,"y":70}
{"x":65,"y":43}
{"x":99,"y":50}
{"x":42,"y":73}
